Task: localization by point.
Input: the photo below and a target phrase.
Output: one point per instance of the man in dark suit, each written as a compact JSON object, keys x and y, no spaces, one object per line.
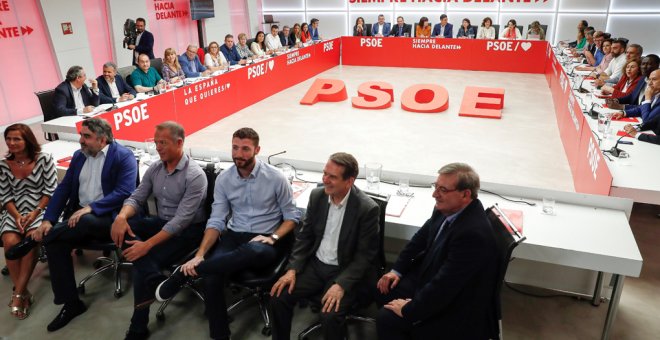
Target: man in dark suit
{"x":102,"y":174}
{"x":652,"y":125}
{"x":144,"y":43}
{"x":230,"y":51}
{"x":442,"y":284}
{"x":650,"y":106}
{"x":112,"y":87}
{"x":334,"y":250}
{"x":401,"y":29}
{"x":443,"y":29}
{"x":73,"y":96}
{"x":191,"y":65}
{"x":285,"y":37}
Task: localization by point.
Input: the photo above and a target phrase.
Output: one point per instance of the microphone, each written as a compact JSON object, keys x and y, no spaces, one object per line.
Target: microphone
{"x":593,"y":113}
{"x":275,"y":154}
{"x":615,"y":151}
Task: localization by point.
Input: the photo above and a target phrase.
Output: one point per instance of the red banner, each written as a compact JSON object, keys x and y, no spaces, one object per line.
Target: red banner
{"x":457,"y":54}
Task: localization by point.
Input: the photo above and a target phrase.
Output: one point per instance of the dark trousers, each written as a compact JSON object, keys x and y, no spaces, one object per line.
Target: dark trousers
{"x":233,"y":253}
{"x":148,"y":267}
{"x":314,"y":280}
{"x":59,"y":243}
{"x":389,"y":325}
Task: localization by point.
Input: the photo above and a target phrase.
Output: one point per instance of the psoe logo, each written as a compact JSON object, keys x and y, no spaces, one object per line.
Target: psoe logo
{"x":371,"y":42}
{"x":130,"y":116}
{"x":328,"y":46}
{"x":508,"y":46}
{"x":593,"y":156}
{"x":260,"y":69}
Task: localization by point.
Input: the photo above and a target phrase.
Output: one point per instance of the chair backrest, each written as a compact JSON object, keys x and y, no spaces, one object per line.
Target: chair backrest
{"x":201,"y":53}
{"x":129,"y":80}
{"x":506,"y":242}
{"x":368,"y":28}
{"x":497,"y":31}
{"x":124,"y":72}
{"x":520,"y":29}
{"x":249,"y":42}
{"x":157,"y":63}
{"x":46,"y":102}
{"x":381,"y":201}
{"x":211,"y":176}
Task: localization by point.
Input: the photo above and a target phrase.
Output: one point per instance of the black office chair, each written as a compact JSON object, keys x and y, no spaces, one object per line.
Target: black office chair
{"x":497,"y":31}
{"x":47,"y":109}
{"x":507,"y":241}
{"x":365,"y":295}
{"x":368,"y":28}
{"x":129,"y":80}
{"x":157,"y":64}
{"x":5,"y":270}
{"x":106,"y":262}
{"x":249,"y":43}
{"x":124,"y":72}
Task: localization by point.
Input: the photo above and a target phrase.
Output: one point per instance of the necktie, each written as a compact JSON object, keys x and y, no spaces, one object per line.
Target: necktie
{"x":434,"y":249}
{"x":400,"y":31}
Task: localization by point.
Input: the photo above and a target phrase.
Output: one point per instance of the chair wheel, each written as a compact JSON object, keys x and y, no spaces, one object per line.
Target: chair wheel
{"x":97,"y":264}
{"x":81,"y":290}
{"x":160,"y":316}
{"x":118,"y":294}
{"x":79,"y":252}
{"x":266,"y":331}
{"x":5,"y":271}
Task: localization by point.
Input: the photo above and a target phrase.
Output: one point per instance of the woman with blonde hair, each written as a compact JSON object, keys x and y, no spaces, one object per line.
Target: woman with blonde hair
{"x":535,"y":31}
{"x":172,"y":71}
{"x":214,"y":60}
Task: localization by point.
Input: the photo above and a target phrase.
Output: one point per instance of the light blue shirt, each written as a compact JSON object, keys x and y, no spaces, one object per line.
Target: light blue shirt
{"x":257,"y":204}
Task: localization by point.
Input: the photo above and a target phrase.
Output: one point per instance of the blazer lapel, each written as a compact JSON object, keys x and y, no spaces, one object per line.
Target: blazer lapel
{"x":348,"y":223}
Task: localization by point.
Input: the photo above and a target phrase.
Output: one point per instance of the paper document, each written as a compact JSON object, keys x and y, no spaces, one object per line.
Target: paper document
{"x":396,"y":205}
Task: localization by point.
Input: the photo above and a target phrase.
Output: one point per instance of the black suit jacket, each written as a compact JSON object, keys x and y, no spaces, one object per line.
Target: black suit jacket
{"x":653,"y":125}
{"x":394,"y":32}
{"x":146,"y":45}
{"x":455,"y":293}
{"x":358,"y":237}
{"x":290,"y":43}
{"x":105,"y":96}
{"x":64,"y":103}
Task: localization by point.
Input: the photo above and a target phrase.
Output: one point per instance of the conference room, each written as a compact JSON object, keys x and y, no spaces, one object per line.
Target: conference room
{"x":563,"y":146}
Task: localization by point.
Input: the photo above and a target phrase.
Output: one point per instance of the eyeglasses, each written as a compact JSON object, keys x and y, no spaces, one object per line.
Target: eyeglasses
{"x":441,"y":189}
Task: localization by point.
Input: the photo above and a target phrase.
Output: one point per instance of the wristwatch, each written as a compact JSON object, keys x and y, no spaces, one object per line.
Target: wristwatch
{"x":274,"y":237}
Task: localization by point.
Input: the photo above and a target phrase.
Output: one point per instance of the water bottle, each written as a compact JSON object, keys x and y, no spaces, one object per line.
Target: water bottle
{"x":602,"y":122}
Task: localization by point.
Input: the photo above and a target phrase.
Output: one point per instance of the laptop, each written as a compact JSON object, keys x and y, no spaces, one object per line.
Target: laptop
{"x":268,"y":19}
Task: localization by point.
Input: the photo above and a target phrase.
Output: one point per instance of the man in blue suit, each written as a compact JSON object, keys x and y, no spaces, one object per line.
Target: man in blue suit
{"x":102,"y":174}
{"x":191,"y":65}
{"x":650,"y":107}
{"x":443,"y":29}
{"x":73,"y":96}
{"x":112,"y":87}
{"x":144,"y":41}
{"x":649,"y":64}
{"x":381,"y":28}
{"x":401,"y":29}
{"x":285,"y":37}
{"x":230,"y":51}
{"x":314,"y":29}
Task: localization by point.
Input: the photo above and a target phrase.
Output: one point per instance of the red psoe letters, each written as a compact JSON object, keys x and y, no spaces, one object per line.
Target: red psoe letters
{"x":425,"y":98}
{"x":327,"y":90}
{"x":374,"y":95}
{"x":482,"y":102}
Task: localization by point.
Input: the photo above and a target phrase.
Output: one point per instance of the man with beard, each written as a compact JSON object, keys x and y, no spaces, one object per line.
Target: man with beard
{"x":144,"y":42}
{"x":178,"y":185}
{"x":260,"y":200}
{"x":112,"y":87}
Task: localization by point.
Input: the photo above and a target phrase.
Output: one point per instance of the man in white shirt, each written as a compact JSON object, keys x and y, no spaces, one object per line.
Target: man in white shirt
{"x":73,"y":96}
{"x":381,"y":28}
{"x":334,"y":252}
{"x":615,"y":67}
{"x":273,"y":39}
{"x":112,"y":87}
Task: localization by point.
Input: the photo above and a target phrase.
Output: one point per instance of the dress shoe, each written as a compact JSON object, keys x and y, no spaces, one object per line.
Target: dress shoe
{"x":151,"y":284}
{"x":69,"y":311}
{"x":134,"y":335}
{"x":170,"y":287}
{"x":21,"y":249}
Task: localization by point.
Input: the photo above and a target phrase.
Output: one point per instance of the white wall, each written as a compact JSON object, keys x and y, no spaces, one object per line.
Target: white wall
{"x":216,"y":28}
{"x":622,"y":18}
{"x":119,"y":11}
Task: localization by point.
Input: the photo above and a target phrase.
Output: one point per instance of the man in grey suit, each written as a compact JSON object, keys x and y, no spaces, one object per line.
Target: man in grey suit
{"x":335,"y":249}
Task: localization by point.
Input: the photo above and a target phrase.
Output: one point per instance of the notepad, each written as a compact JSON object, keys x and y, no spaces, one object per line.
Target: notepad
{"x":627,"y":119}
{"x":396,"y":205}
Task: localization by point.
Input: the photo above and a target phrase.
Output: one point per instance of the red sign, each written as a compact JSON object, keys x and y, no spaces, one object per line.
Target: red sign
{"x":457,"y":54}
{"x":67,"y":28}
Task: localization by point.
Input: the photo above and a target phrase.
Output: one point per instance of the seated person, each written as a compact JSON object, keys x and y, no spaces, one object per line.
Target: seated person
{"x":314,"y":29}
{"x":172,"y":70}
{"x":443,"y":29}
{"x":296,"y":35}
{"x":28,"y":178}
{"x":73,"y":96}
{"x":191,"y":65}
{"x":305,"y":36}
{"x":650,"y":107}
{"x":334,"y":252}
{"x":650,"y":63}
{"x":652,"y":125}
{"x":178,"y":185}
{"x":605,"y":61}
{"x":258,"y":46}
{"x":401,"y":29}
{"x":486,"y":30}
{"x":260,"y":200}
{"x":467,"y":31}
{"x":242,"y":47}
{"x":285,"y":37}
{"x":589,"y":46}
{"x":441,"y":286}
{"x":628,"y":82}
{"x":101,"y":176}
{"x":230,"y":51}
{"x":535,"y":31}
{"x":381,"y":28}
{"x":595,"y":56}
{"x":615,"y":68}
{"x":360,"y":28}
{"x":511,"y":31}
{"x":423,"y":29}
{"x":634,"y":51}
{"x":582,"y":25}
{"x":273,"y":39}
{"x":214,"y":60}
{"x":145,"y":78}
{"x":112,"y":87}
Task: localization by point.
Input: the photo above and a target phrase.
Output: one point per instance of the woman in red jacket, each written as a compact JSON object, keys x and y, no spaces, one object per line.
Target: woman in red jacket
{"x":632,"y":73}
{"x":304,"y":34}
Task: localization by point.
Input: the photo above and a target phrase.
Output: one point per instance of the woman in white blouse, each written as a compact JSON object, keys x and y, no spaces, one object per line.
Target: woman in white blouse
{"x":214,"y":60}
{"x":486,"y":30}
{"x":258,"y":46}
{"x":511,"y":32}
